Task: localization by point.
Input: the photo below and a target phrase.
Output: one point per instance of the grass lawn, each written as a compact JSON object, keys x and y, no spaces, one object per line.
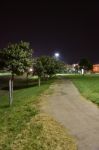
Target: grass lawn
{"x":5,"y":74}
{"x":22,"y":126}
{"x":88,"y":86}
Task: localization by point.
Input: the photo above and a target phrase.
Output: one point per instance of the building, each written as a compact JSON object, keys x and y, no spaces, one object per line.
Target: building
{"x":96,"y":68}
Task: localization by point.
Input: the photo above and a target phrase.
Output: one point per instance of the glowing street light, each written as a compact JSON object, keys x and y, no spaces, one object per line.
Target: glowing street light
{"x":57,"y":55}
{"x":31,"y":69}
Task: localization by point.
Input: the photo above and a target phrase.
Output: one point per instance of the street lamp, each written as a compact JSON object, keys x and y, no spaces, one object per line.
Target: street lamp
{"x":31,"y":69}
{"x":56,"y":55}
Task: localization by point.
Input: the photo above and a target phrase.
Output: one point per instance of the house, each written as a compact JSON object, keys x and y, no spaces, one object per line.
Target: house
{"x":96,"y":68}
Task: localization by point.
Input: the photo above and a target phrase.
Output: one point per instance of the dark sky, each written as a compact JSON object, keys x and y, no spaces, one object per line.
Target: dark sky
{"x":71,"y":28}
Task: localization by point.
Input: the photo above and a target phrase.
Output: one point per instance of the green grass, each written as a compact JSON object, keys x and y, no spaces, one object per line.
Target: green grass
{"x":5,"y":73}
{"x":14,"y":119}
{"x":88,"y":86}
{"x":23,"y":126}
{"x":44,"y":133}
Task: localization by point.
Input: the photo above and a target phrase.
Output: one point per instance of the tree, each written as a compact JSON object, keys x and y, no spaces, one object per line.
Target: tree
{"x":46,"y":65}
{"x":38,"y":69}
{"x":49,"y":64}
{"x":85,"y":64}
{"x":76,"y":67}
{"x":16,"y":58}
{"x":60,"y":66}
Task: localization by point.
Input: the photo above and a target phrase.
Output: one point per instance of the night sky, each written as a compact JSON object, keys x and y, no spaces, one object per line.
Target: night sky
{"x":72,"y":29}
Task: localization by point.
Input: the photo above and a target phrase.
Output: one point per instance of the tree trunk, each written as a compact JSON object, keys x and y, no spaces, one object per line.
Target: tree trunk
{"x":11,"y":90}
{"x":27,"y":78}
{"x":10,"y":93}
{"x":39,"y":81}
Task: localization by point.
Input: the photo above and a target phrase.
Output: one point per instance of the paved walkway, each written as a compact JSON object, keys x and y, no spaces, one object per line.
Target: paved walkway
{"x":78,"y":115}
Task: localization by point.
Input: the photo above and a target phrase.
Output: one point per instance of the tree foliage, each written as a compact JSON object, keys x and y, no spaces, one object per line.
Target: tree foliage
{"x":38,"y":67}
{"x":16,"y":58}
{"x":46,"y":65}
{"x":85,"y":64}
{"x":49,"y":65}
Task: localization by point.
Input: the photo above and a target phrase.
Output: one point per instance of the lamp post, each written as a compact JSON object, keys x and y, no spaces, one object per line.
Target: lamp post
{"x":57,"y":55}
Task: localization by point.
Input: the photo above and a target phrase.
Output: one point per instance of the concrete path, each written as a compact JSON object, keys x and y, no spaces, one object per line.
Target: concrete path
{"x":78,"y":115}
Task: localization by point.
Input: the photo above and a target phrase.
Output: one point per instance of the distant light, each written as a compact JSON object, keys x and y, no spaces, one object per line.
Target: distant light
{"x":30,"y":69}
{"x":74,"y":65}
{"x":57,"y":55}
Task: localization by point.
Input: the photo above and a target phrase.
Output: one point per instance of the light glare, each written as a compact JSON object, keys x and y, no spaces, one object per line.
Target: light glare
{"x":56,"y":54}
